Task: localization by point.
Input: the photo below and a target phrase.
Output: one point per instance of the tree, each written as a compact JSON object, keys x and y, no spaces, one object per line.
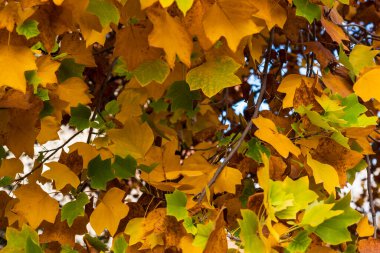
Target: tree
{"x":149,"y":92}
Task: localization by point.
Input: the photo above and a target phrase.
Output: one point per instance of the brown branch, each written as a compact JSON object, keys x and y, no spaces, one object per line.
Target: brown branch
{"x":100,"y":96}
{"x":54,"y":151}
{"x":370,"y":196}
{"x":249,"y":125}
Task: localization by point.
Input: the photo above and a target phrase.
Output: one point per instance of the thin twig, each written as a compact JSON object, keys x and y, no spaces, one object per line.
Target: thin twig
{"x":36,"y":167}
{"x":370,"y":196}
{"x":249,"y":125}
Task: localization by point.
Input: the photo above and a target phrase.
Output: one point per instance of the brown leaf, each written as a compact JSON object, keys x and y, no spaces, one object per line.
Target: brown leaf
{"x":61,"y":232}
{"x":336,"y":33}
{"x":324,"y":56}
{"x":217,"y":241}
{"x":369,"y":245}
{"x":341,"y":158}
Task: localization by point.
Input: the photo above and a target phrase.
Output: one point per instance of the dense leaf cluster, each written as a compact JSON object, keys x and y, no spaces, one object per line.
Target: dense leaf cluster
{"x":122,"y":128}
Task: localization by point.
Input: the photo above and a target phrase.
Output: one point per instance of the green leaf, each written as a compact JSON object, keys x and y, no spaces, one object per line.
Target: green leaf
{"x":317,"y":213}
{"x":189,"y":225}
{"x":121,"y":69}
{"x":119,"y":244}
{"x":300,"y":243}
{"x":354,"y":113}
{"x":256,"y":149}
{"x":159,"y":105}
{"x":351,"y":173}
{"x":112,"y":107}
{"x":68,"y":69}
{"x":29,"y":29}
{"x":248,"y":190}
{"x":25,"y":240}
{"x":5,"y":181}
{"x":47,"y":110}
{"x":74,"y":209}
{"x":249,"y":226}
{"x":3,"y":153}
{"x":32,"y":247}
{"x":149,"y":71}
{"x":307,"y":10}
{"x":124,"y":167}
{"x":286,"y":198}
{"x":334,"y":230}
{"x":176,"y":204}
{"x":67,"y":249}
{"x":105,"y":11}
{"x":362,"y":57}
{"x":147,"y":168}
{"x":203,"y":233}
{"x":33,"y":79}
{"x":100,"y":172}
{"x":80,"y":117}
{"x":181,"y":96}
{"x":341,"y":139}
{"x":95,"y":242}
{"x":214,"y":75}
{"x":43,"y":94}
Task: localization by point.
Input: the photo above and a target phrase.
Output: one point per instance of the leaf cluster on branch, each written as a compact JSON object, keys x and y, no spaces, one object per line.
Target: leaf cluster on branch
{"x":188,"y":125}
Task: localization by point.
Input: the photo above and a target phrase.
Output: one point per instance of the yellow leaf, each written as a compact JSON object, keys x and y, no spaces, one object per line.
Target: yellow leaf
{"x":35,"y":205}
{"x":134,"y":139}
{"x":267,"y":131}
{"x":272,"y":12}
{"x":135,"y":228}
{"x":187,"y":246}
{"x":109,"y":212}
{"x":131,"y":101}
{"x":58,"y":2}
{"x":49,"y":128}
{"x":61,"y":174}
{"x":10,"y":167}
{"x":231,"y":19}
{"x":89,"y":152}
{"x":46,"y":70}
{"x":176,"y":40}
{"x":289,"y":85}
{"x":227,"y":180}
{"x":74,"y":91}
{"x":367,"y":86}
{"x":324,"y":173}
{"x":147,"y":3}
{"x":14,"y":61}
{"x":364,"y":228}
{"x":95,"y":36}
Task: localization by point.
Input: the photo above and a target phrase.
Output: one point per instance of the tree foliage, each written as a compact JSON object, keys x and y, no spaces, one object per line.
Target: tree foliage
{"x":102,"y":100}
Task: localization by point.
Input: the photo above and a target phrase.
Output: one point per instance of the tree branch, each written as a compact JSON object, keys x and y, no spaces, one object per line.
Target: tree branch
{"x":249,"y":125}
{"x":370,"y":196}
{"x":54,"y":151}
{"x":100,"y":96}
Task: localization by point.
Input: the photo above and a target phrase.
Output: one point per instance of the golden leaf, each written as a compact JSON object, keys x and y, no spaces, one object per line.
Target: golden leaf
{"x":35,"y":205}
{"x":14,"y":61}
{"x":134,"y":139}
{"x":267,"y":131}
{"x":231,"y":19}
{"x":176,"y":40}
{"x":61,"y":174}
{"x":109,"y":212}
{"x":364,"y":228}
